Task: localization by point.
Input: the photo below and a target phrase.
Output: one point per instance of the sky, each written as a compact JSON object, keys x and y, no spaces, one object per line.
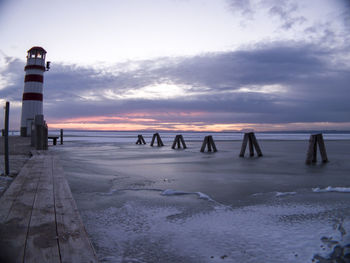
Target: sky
{"x":189,"y":65}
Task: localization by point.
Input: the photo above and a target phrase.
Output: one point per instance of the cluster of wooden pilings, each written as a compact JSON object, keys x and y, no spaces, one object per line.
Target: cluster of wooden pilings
{"x":249,"y":140}
{"x":39,"y":133}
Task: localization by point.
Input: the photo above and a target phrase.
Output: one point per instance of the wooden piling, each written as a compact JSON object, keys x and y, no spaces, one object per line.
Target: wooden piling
{"x":140,"y":139}
{"x":61,"y":136}
{"x":256,"y":145}
{"x":253,"y":143}
{"x":178,"y":141}
{"x":251,"y":146}
{"x":322,"y":148}
{"x":244,"y":145}
{"x":40,"y":134}
{"x":205,"y":142}
{"x":311,"y":156}
{"x":208,"y":142}
{"x":6,"y":138}
{"x":159,"y":140}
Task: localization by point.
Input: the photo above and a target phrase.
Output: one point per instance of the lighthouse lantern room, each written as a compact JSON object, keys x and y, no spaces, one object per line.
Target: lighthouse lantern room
{"x":32,"y":100}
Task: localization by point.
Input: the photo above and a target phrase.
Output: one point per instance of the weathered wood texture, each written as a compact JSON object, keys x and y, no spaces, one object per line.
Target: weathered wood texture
{"x":159,"y":140}
{"x":208,"y":142}
{"x":140,"y":139}
{"x":39,"y":220}
{"x":253,"y":143}
{"x":178,"y":141}
{"x":311,"y":156}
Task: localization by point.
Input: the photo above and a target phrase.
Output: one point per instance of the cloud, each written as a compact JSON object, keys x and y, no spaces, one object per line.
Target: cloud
{"x":276,"y":83}
{"x":286,"y":11}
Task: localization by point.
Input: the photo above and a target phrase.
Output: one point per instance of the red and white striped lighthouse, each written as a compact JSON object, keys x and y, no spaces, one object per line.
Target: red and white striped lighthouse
{"x":32,"y":101}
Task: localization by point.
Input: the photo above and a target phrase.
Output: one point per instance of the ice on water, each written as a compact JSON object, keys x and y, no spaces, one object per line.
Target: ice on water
{"x":211,"y":207}
{"x":332,"y":189}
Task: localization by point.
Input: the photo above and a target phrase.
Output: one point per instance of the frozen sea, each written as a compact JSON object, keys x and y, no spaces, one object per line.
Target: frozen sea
{"x":156,"y":204}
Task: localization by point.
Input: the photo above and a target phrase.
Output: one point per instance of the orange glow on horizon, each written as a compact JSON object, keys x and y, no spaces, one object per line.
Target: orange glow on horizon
{"x":195,"y":127}
{"x":148,"y":121}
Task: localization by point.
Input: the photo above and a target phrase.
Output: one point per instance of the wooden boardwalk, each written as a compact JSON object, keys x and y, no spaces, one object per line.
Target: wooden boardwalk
{"x":39,"y":220}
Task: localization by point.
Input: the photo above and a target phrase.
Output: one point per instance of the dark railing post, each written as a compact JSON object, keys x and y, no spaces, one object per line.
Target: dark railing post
{"x":61,"y":136}
{"x":6,"y":138}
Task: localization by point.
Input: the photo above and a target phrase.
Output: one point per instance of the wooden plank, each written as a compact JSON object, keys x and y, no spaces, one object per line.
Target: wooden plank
{"x":14,"y":229}
{"x":73,"y":240}
{"x":42,"y":243}
{"x":12,"y":192}
{"x":244,"y":145}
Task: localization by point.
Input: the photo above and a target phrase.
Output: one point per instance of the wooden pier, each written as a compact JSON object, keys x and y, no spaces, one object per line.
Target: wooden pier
{"x":39,"y":220}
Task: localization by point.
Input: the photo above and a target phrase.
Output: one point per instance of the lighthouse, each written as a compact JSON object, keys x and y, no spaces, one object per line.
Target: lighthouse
{"x":32,"y":100}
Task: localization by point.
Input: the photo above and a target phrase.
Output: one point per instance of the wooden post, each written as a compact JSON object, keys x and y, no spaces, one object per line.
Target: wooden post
{"x":153,"y":138}
{"x":45,"y":137}
{"x":322,"y":147}
{"x":6,"y":138}
{"x":183,"y":142}
{"x":205,"y":142}
{"x":178,"y":141}
{"x":256,"y":145}
{"x":140,"y":139}
{"x":311,"y":150}
{"x":61,"y":136}
{"x":244,"y":145}
{"x":159,"y":140}
{"x":251,"y":147}
{"x":311,"y":156}
{"x":253,"y":143}
{"x":32,"y":134}
{"x":209,"y":142}
{"x":39,"y":132}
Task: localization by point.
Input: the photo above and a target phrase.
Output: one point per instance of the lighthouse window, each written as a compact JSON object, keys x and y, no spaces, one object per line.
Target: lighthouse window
{"x":39,"y":55}
{"x":32,"y":55}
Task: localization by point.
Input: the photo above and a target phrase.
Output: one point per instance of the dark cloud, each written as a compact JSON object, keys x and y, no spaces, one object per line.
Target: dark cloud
{"x":286,"y":11}
{"x":270,"y":83}
{"x":243,"y":7}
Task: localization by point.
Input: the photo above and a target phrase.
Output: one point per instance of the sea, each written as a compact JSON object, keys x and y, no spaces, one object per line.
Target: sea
{"x":157,"y":204}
